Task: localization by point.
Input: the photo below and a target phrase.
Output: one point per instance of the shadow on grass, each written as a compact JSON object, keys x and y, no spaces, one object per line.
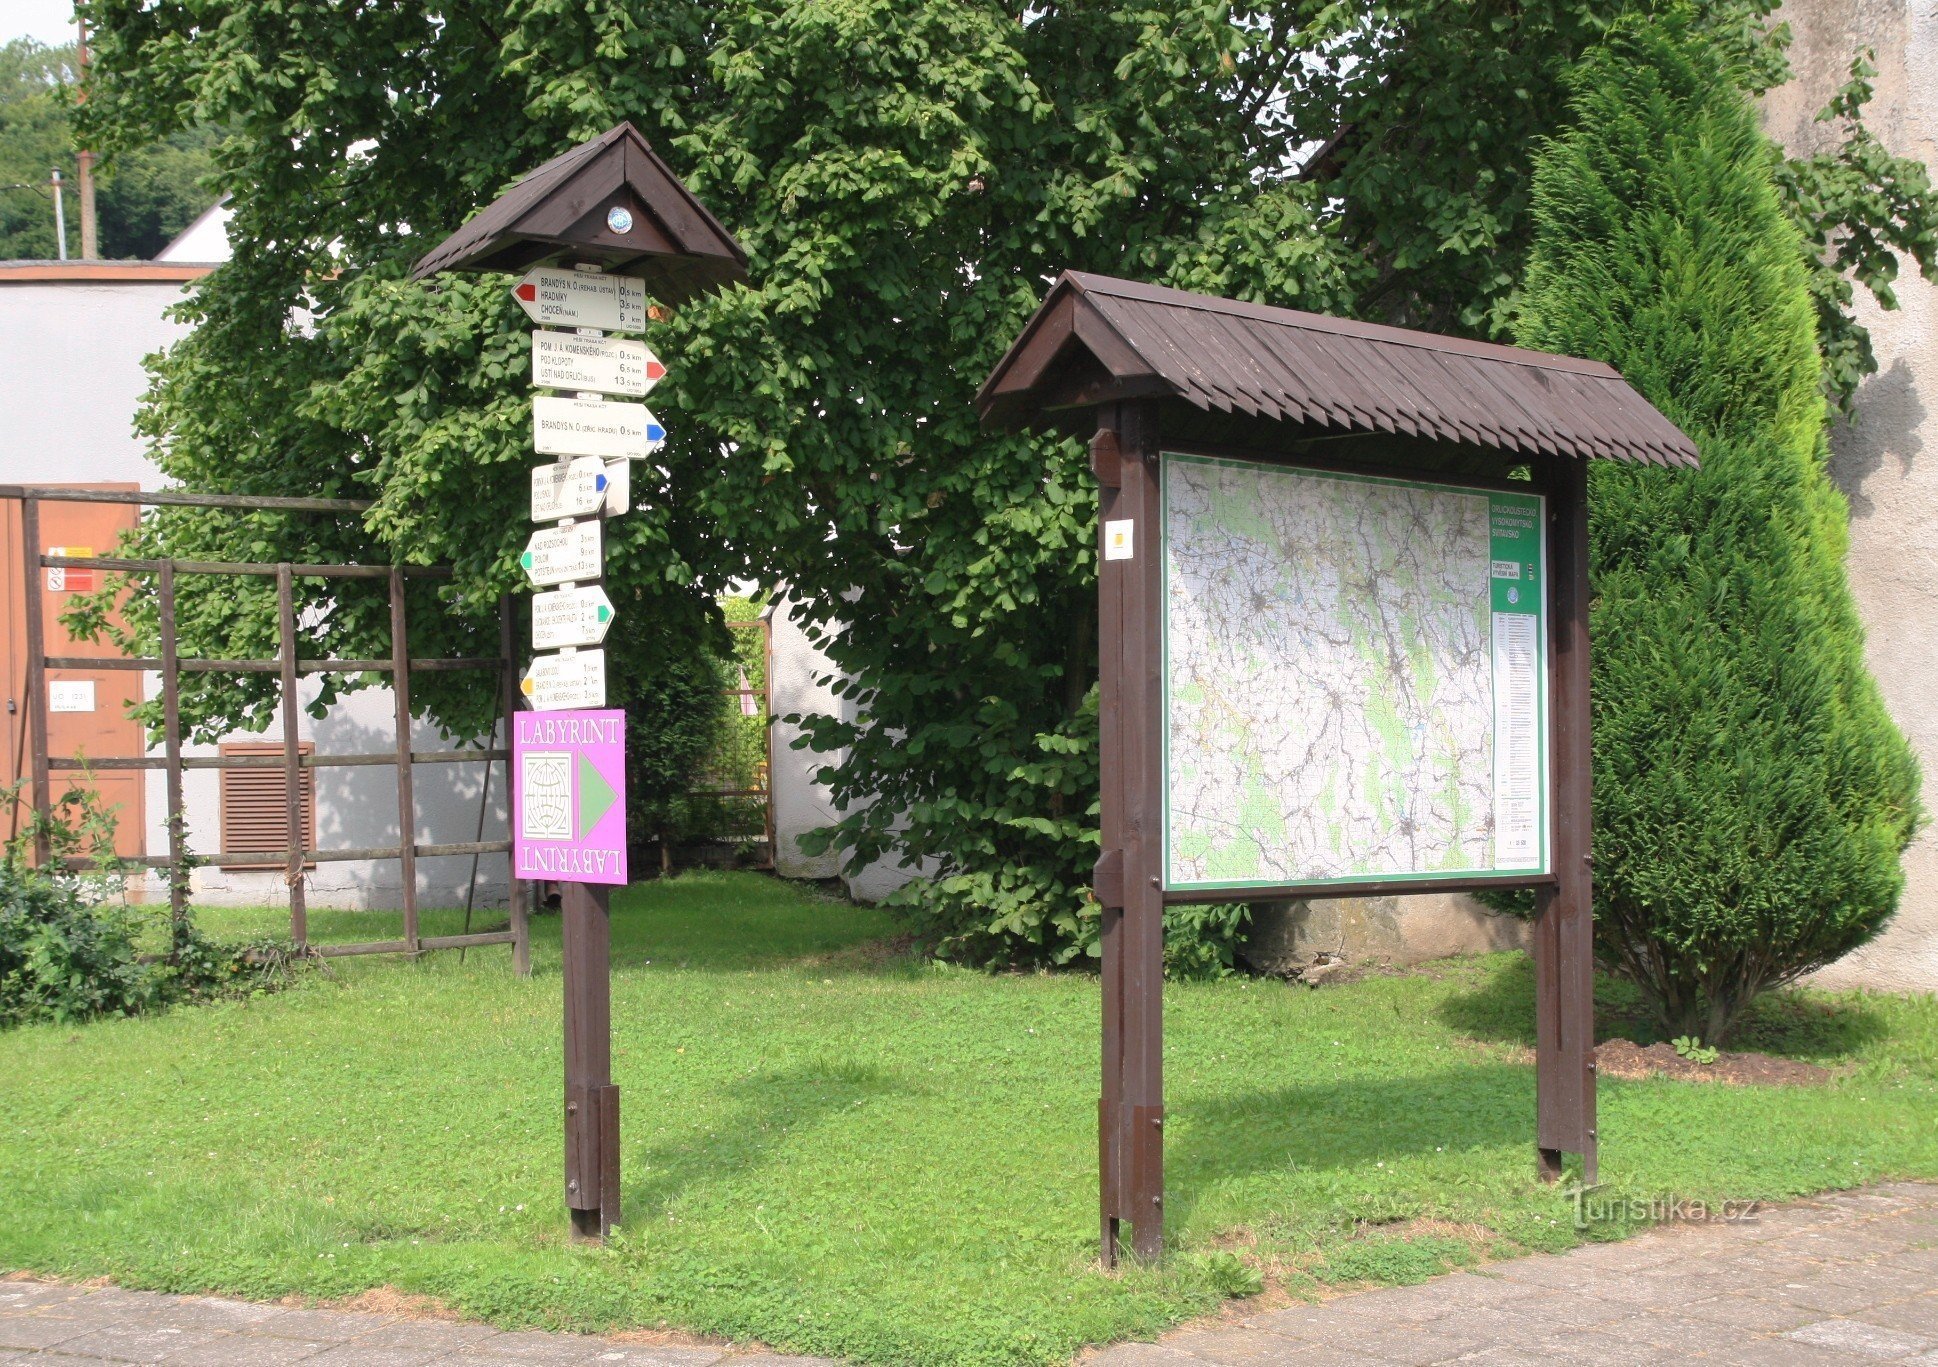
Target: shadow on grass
{"x":756,"y":1115}
{"x":1350,"y":1123}
{"x":1790,"y":1022}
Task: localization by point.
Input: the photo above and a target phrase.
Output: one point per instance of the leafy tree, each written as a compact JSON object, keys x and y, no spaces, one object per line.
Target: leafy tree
{"x":1752,"y":796}
{"x":144,"y":197}
{"x":906,"y":175}
{"x":35,"y":139}
{"x":673,"y":721}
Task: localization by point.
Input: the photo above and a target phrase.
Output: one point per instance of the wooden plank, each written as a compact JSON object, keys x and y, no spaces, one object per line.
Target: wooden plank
{"x":1564,"y":930}
{"x":592,"y":1161}
{"x":244,"y":567}
{"x":406,"y":804}
{"x":1108,"y":878}
{"x":299,"y":923}
{"x":1287,"y":892}
{"x":1141,"y":727}
{"x":309,"y":760}
{"x":137,"y":663}
{"x":40,"y":788}
{"x":171,"y":685}
{"x":166,"y":498}
{"x":515,"y":890}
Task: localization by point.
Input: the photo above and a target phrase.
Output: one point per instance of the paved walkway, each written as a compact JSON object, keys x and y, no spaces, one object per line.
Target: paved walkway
{"x":1842,"y":1280}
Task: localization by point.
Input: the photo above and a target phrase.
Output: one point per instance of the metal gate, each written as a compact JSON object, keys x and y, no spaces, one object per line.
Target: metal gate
{"x":161,"y":576}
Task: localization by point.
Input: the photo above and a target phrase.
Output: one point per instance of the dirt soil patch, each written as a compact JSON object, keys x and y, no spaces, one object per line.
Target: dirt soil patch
{"x":1627,"y":1059}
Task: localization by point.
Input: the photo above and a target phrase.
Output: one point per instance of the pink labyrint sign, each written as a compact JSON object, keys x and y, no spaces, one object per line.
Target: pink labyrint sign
{"x":568,"y":817}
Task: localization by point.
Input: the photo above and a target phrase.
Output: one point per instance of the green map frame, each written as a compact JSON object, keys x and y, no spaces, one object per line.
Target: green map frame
{"x":1518,"y":508}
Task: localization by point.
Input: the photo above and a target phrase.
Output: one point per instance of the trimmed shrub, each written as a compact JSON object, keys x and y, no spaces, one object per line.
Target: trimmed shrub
{"x":1752,"y":796}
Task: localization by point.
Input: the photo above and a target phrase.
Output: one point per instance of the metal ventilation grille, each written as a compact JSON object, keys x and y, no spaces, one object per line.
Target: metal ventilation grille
{"x":254,"y":818}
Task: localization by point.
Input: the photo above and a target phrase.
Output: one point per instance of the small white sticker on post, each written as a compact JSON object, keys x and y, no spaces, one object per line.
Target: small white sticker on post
{"x":1117,"y":538}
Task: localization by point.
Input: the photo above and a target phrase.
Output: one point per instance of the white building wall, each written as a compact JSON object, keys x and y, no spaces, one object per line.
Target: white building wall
{"x":71,"y":379}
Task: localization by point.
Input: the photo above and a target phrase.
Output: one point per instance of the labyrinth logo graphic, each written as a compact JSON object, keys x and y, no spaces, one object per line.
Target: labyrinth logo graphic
{"x":546,"y":812}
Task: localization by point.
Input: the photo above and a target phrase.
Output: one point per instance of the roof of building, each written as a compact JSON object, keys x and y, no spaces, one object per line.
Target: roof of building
{"x":674,"y":245}
{"x":207,"y":234}
{"x":1097,"y":339}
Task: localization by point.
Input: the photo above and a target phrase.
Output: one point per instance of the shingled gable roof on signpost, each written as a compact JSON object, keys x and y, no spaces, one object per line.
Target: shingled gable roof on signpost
{"x":561,"y":209}
{"x":1097,"y":339}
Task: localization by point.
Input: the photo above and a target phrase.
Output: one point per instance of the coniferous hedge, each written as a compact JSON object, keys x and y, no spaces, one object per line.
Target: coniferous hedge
{"x":1752,"y":796}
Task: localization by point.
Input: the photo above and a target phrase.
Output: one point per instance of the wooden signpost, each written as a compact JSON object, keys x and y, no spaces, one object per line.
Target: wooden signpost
{"x":1334,"y":560}
{"x":592,"y":234}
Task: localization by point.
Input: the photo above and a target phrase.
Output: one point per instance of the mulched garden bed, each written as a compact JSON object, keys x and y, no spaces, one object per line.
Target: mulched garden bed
{"x":1627,"y":1059}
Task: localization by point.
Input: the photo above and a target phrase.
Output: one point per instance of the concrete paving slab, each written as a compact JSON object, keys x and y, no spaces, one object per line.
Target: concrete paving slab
{"x":1828,"y":1283}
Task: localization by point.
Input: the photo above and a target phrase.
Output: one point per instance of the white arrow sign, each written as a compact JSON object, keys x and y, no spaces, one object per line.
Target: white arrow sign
{"x":563,"y":683}
{"x":610,"y":365}
{"x":575,"y":490}
{"x":564,"y":555}
{"x":619,"y":487}
{"x":581,"y":299}
{"x":595,"y":427}
{"x":570,"y":617}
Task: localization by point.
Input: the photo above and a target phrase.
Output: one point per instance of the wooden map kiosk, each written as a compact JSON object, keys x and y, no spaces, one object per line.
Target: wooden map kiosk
{"x":1343,"y":643}
{"x":597,"y":231}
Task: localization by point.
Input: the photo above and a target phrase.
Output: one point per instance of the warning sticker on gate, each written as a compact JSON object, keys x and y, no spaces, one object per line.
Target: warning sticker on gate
{"x":569,"y":796}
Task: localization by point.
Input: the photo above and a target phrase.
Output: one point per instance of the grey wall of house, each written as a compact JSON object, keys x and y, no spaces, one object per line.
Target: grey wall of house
{"x":356,"y":808}
{"x":71,"y":378}
{"x":1886,"y":459}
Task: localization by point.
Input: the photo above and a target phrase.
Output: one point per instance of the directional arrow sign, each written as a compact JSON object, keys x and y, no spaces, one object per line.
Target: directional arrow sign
{"x":563,"y":555}
{"x":559,"y":683}
{"x":619,"y":487}
{"x":595,"y":427}
{"x":580,"y":299}
{"x":610,"y":365}
{"x":575,"y":490}
{"x":570,"y":617}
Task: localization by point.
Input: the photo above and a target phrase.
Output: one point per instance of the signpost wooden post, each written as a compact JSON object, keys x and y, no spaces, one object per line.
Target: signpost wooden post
{"x":1460,"y":459}
{"x":596,"y":232}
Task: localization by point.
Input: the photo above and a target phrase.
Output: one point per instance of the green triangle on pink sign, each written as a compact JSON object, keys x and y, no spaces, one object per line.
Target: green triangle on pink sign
{"x":595,"y":795}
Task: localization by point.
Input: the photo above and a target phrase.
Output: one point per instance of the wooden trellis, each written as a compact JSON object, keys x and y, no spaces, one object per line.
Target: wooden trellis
{"x":289,"y":667}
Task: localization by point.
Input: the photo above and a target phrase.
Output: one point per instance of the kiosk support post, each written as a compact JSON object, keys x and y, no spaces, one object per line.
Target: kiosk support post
{"x":1129,"y":880}
{"x":1564,"y":944}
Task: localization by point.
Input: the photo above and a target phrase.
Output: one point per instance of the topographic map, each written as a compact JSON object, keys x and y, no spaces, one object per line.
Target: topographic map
{"x":1352,"y":677}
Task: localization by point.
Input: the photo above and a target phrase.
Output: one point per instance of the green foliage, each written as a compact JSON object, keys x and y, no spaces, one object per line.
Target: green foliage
{"x":144,"y":197}
{"x":805,"y":1109}
{"x":1693,"y":1049}
{"x":1231,"y":1274}
{"x":71,"y":949}
{"x":1752,"y":797}
{"x":67,"y":954}
{"x":905,"y":175}
{"x":1859,"y":210}
{"x":674,"y":719}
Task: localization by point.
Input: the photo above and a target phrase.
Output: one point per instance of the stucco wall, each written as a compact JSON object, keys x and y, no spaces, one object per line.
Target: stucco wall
{"x":356,"y":808}
{"x":1886,"y":460}
{"x":71,"y":378}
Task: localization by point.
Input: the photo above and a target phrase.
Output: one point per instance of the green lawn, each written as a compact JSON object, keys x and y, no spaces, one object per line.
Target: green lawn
{"x":839,"y":1150}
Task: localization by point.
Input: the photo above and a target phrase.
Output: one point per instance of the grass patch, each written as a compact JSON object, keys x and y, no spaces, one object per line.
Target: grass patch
{"x":839,"y":1150}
